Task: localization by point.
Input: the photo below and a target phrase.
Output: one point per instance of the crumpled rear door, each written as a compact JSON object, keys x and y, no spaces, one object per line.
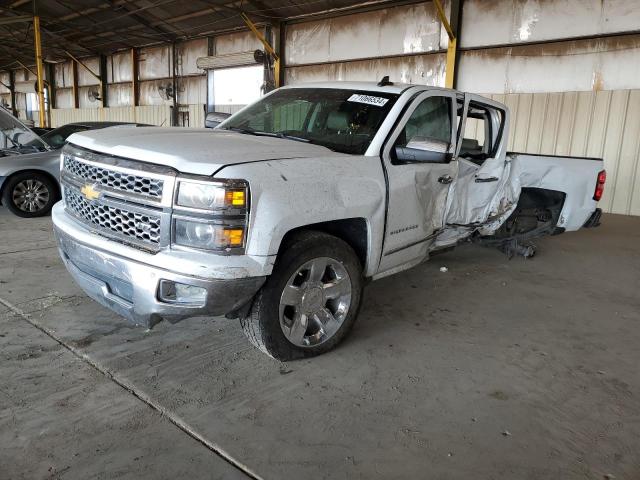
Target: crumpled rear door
{"x":482,"y":196}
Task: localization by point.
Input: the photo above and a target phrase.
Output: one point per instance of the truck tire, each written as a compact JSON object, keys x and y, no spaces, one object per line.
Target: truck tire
{"x":311,"y":300}
{"x":29,"y":194}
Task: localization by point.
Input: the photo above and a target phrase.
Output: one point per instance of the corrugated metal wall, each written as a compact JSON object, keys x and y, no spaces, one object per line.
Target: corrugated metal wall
{"x":24,"y":83}
{"x":409,"y":37}
{"x":196,"y":115}
{"x":150,"y":114}
{"x":500,"y":22}
{"x":576,"y":65}
{"x":604,"y":124}
{"x":155,"y":76}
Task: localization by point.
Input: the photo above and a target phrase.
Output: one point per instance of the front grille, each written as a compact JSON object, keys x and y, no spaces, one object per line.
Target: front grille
{"x":150,"y":187}
{"x":134,"y":226}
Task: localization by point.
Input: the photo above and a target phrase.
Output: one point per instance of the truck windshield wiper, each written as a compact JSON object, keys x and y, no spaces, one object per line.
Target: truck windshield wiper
{"x":246,"y":131}
{"x":249,"y":131}
{"x":291,"y":137}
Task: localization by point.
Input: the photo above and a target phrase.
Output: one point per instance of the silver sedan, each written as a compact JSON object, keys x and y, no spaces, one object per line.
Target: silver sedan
{"x":30,"y":165}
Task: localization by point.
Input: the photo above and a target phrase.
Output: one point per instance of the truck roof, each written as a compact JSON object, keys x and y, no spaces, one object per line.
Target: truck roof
{"x":396,"y":88}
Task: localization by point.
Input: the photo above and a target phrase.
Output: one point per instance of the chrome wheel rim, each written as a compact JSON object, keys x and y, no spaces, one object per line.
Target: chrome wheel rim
{"x":30,"y":195}
{"x":315,"y":302}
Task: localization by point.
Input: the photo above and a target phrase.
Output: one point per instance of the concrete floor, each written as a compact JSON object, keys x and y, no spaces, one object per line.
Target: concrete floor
{"x":521,"y":369}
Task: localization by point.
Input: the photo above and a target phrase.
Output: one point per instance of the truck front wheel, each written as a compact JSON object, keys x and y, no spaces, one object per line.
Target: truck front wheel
{"x":310,"y":301}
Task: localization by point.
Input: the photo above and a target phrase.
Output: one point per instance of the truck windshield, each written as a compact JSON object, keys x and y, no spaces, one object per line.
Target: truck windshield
{"x":342,"y":120}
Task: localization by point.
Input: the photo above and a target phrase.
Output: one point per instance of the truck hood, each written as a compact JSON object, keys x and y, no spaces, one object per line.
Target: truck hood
{"x":196,"y":151}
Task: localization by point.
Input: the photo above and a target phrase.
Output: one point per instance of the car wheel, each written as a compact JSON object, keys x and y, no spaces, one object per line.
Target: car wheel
{"x":29,"y":194}
{"x":311,"y":300}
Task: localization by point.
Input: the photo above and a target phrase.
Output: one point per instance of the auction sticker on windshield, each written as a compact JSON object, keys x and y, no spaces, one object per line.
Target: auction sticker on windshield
{"x":368,"y":99}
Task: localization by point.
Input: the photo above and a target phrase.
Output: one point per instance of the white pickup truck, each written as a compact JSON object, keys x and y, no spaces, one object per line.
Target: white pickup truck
{"x":283,"y":213}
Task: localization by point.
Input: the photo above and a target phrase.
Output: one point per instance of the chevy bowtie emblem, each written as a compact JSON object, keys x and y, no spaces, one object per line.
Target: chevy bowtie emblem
{"x":89,"y":192}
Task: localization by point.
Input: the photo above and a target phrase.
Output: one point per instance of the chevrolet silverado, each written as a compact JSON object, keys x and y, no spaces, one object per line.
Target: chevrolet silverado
{"x":281,"y":214}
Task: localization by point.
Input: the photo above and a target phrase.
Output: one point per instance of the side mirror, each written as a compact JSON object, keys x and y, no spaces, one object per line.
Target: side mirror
{"x":213,"y":119}
{"x":421,"y":149}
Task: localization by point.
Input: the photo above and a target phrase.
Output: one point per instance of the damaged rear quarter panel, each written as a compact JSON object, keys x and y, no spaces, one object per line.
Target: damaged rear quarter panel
{"x":574,"y":176}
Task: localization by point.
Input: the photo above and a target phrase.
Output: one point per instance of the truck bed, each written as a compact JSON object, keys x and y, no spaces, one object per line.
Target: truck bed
{"x":575,"y":176}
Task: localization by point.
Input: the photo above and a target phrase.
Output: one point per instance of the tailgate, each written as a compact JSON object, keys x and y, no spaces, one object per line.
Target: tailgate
{"x":575,"y":176}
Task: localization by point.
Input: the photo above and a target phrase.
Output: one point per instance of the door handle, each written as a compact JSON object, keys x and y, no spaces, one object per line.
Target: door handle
{"x":445,"y":179}
{"x":487,"y":180}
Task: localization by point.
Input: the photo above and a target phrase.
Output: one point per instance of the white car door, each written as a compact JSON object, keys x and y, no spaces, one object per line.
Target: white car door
{"x":419,"y":160}
{"x":486,"y":188}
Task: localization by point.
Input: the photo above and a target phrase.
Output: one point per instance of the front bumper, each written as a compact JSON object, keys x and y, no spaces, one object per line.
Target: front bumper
{"x":131,"y":288}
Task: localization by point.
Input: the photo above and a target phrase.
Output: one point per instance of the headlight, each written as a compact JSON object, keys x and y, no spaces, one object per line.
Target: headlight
{"x":208,"y":236}
{"x":211,"y":196}
{"x":211,"y":215}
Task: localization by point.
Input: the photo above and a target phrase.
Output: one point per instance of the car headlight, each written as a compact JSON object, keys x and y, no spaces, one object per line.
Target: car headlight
{"x":208,"y":236}
{"x":211,"y":196}
{"x":211,"y":215}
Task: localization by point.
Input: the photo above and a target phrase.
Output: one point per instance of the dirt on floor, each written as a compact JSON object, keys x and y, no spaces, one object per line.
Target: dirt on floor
{"x":496,"y":368}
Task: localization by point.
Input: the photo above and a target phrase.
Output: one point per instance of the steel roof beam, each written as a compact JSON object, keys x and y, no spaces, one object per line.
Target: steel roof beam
{"x":168,"y":34}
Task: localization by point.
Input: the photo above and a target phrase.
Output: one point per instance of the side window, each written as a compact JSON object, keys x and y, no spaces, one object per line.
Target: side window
{"x":474,"y":139}
{"x":431,"y":121}
{"x":426,"y":137}
{"x":481,"y":128}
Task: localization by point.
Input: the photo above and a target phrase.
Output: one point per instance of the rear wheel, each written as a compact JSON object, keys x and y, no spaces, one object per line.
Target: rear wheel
{"x":310,"y":301}
{"x":29,"y":194}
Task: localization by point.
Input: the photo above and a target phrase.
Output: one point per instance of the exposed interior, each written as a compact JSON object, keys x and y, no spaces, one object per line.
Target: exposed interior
{"x":536,"y":215}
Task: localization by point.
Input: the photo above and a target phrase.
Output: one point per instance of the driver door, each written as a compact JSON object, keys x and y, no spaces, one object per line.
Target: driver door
{"x":419,"y":160}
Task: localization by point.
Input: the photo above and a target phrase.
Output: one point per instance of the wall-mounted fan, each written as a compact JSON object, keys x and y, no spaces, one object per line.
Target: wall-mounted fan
{"x":45,"y":84}
{"x":93,"y":95}
{"x":166,"y":91}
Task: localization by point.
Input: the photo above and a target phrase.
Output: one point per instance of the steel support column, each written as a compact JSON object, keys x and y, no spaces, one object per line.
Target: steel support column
{"x":135,"y":87}
{"x":452,"y":29}
{"x":12,"y":88}
{"x":42,"y":115}
{"x":282,"y":32}
{"x":456,"y":26}
{"x":104,"y":91}
{"x":267,"y":46}
{"x":74,"y":84}
{"x":174,"y":82}
{"x":51,"y":90}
